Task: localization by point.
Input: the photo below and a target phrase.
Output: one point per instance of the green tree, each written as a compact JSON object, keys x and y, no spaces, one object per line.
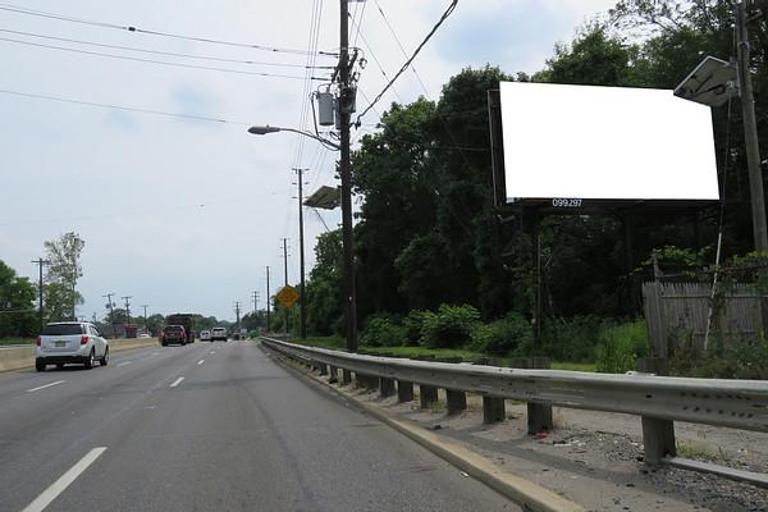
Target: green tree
{"x":323,"y":289}
{"x":17,"y":297}
{"x":63,"y":272}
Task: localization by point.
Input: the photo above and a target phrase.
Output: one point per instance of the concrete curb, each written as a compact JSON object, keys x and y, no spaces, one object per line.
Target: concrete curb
{"x":22,"y":358}
{"x":526,"y":494}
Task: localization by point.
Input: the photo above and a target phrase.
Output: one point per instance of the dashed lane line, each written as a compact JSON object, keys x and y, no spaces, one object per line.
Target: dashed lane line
{"x":56,"y":488}
{"x":38,"y":388}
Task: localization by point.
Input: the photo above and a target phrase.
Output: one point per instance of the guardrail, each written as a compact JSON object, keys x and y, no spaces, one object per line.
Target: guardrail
{"x":659,"y":401}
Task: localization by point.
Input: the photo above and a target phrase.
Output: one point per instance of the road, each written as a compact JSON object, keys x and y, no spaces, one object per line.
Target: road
{"x":208,"y":427}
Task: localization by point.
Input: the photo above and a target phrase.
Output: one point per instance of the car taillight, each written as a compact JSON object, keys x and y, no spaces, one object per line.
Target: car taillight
{"x":38,"y":341}
{"x":84,"y":339}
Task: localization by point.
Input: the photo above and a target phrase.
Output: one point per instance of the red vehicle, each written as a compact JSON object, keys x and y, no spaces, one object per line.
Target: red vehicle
{"x":185,"y":320}
{"x":173,"y":334}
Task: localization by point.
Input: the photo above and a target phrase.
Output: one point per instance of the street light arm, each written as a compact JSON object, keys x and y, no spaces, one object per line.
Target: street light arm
{"x":263,"y":130}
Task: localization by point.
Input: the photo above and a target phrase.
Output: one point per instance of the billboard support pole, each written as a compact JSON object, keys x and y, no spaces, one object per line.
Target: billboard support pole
{"x":760,"y":232}
{"x":537,"y":309}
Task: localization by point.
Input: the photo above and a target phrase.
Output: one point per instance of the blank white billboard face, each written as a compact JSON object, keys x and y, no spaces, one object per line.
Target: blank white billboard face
{"x":587,"y":142}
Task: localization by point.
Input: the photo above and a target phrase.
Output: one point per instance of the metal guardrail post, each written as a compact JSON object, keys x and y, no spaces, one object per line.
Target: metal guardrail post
{"x":366,"y":381}
{"x":493,"y":409}
{"x":334,"y":378}
{"x":427,"y":396}
{"x":456,"y":401}
{"x":658,"y":440}
{"x":323,"y":369}
{"x":386,"y":387}
{"x":346,"y":377}
{"x":404,"y":391}
{"x":539,"y":414}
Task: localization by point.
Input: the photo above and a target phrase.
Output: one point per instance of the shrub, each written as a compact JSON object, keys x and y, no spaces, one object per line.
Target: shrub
{"x":503,"y":337}
{"x":572,"y":340}
{"x":739,"y":359}
{"x":621,"y":345}
{"x":413,"y":324}
{"x":382,"y":331}
{"x":450,"y":327}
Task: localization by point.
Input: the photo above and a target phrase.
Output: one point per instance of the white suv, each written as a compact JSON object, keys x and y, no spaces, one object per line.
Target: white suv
{"x":219,"y":333}
{"x":71,"y":342}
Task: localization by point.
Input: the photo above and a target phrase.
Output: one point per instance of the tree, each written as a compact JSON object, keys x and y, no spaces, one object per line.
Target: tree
{"x":63,"y":272}
{"x":17,"y":297}
{"x":323,"y":289}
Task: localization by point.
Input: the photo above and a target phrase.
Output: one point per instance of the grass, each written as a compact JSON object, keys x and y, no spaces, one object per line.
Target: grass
{"x":436,"y":354}
{"x":574,"y":367}
{"x":16,"y":341}
{"x":700,"y":452}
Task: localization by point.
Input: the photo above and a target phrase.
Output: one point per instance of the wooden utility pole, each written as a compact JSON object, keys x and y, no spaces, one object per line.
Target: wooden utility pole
{"x":756,"y":192}
{"x":269,"y":301}
{"x":285,"y":274}
{"x":127,"y":309}
{"x":345,"y":105}
{"x":40,"y":262}
{"x":302,"y":288}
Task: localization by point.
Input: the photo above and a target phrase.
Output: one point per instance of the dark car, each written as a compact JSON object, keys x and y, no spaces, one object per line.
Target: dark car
{"x":173,"y":334}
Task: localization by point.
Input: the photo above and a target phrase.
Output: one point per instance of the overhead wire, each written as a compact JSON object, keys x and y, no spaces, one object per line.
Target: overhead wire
{"x":135,"y":29}
{"x":408,"y":62}
{"x":159,"y":62}
{"x":461,"y":149}
{"x":140,"y":110}
{"x":378,"y":63}
{"x":159,"y":52}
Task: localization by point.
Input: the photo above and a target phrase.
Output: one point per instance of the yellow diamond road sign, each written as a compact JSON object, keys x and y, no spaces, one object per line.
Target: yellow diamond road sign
{"x":288,"y":296}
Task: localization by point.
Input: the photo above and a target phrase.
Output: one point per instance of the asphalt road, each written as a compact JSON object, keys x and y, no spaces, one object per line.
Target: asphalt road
{"x":208,"y":427}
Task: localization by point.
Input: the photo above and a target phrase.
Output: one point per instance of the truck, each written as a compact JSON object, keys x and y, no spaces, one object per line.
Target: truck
{"x":187,"y":321}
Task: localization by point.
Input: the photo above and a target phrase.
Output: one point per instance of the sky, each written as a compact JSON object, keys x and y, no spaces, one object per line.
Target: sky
{"x":185,"y":214}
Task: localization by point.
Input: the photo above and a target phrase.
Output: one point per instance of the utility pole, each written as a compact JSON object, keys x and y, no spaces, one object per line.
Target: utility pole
{"x":285,"y":270}
{"x":269,"y":301}
{"x":346,"y":100}
{"x":237,"y":313}
{"x":127,"y":308}
{"x":255,"y":295}
{"x":302,"y":288}
{"x":145,"y":306}
{"x":756,"y":192}
{"x":111,"y":307}
{"x":40,"y":262}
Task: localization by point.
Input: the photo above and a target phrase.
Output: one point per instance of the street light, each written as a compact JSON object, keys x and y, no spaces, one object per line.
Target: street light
{"x":350,"y":299}
{"x":264,"y":130}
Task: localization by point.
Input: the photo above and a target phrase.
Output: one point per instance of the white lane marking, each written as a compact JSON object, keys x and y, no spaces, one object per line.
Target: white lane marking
{"x":123,"y":363}
{"x":200,"y":362}
{"x":64,"y":481}
{"x":177,"y":382}
{"x":38,"y":388}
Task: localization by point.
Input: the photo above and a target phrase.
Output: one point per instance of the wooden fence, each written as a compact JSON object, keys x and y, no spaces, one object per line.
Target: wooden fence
{"x":678,"y":313}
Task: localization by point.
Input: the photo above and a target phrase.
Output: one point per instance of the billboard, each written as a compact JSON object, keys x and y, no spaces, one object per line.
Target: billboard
{"x":571,"y":143}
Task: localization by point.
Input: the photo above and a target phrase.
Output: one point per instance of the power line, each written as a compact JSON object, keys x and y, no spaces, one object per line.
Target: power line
{"x":359,"y":22}
{"x":407,"y":63}
{"x":121,"y":107}
{"x":400,"y":44}
{"x":135,"y":29}
{"x":378,"y":64}
{"x":160,"y":52}
{"x":153,"y":61}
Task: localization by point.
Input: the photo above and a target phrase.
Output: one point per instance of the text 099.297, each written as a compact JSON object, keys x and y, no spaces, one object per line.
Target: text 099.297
{"x":566,"y":203}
